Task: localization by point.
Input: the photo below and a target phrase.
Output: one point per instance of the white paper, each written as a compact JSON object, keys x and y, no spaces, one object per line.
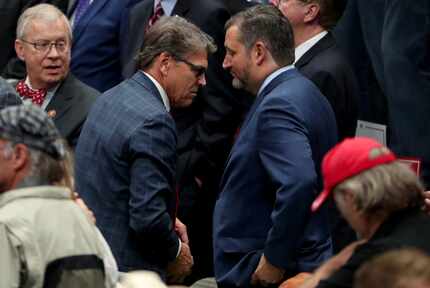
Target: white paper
{"x":372,"y":130}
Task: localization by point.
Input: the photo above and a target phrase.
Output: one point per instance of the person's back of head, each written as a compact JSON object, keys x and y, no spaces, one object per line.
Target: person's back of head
{"x":404,"y":268}
{"x":32,"y":148}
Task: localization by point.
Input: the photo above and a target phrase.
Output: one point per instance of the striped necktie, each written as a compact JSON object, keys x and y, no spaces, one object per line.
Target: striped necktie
{"x":158,"y":12}
{"x":80,"y":9}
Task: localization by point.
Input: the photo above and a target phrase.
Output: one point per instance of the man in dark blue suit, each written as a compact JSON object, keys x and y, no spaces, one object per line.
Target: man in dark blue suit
{"x":320,"y":60}
{"x":388,"y":42}
{"x":96,"y":42}
{"x":206,"y":128}
{"x":263,"y":228}
{"x":126,"y":155}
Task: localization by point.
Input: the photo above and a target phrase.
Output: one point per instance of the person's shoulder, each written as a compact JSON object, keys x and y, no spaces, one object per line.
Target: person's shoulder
{"x":8,"y":96}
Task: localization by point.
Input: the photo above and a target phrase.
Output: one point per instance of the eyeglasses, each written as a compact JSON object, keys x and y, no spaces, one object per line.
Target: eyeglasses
{"x":44,"y":46}
{"x":198,"y":70}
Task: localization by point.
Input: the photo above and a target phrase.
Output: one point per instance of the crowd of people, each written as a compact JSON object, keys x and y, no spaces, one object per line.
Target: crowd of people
{"x":146,"y":143}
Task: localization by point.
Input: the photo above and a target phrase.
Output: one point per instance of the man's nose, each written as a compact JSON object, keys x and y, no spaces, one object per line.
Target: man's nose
{"x":52,"y":51}
{"x":202,"y":80}
{"x":226,"y":63}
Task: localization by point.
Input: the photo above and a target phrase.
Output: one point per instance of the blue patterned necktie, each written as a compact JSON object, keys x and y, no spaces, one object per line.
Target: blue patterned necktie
{"x":80,"y":9}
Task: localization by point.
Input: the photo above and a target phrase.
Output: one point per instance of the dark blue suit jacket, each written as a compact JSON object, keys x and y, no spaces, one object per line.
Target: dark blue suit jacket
{"x":96,"y":43}
{"x":125,"y":167}
{"x":392,"y":38}
{"x":270,"y":180}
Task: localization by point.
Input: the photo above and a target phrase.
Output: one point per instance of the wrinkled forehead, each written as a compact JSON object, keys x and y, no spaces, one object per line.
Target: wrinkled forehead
{"x":48,"y":28}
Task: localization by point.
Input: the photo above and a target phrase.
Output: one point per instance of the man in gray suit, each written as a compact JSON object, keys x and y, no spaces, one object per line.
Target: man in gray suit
{"x":126,"y":155}
{"x":43,"y":43}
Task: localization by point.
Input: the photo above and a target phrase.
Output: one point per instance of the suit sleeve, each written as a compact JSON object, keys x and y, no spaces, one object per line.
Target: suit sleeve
{"x":285,"y":152}
{"x":153,"y":148}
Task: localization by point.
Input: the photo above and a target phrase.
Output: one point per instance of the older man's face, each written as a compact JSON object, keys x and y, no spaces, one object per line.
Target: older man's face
{"x":45,"y":49}
{"x":186,"y":77}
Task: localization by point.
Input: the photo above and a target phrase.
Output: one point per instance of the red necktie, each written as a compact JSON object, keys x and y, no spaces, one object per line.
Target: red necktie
{"x":158,"y":12}
{"x":36,"y":96}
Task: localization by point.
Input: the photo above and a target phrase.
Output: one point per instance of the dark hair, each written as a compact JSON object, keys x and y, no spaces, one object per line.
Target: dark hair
{"x":267,"y":24}
{"x":330,"y":11}
{"x":176,"y":36}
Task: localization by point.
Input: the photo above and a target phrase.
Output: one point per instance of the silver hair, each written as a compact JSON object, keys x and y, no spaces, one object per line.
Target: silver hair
{"x":45,"y":12}
{"x":44,"y":169}
{"x":176,"y":36}
{"x":384,"y":189}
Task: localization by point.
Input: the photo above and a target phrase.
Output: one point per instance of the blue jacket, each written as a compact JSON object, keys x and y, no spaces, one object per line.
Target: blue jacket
{"x":96,"y":43}
{"x":125,"y":164}
{"x":271,"y":177}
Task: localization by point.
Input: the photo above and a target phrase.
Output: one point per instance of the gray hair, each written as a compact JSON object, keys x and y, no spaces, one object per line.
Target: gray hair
{"x":45,"y":12}
{"x":176,"y":36}
{"x":44,"y":169}
{"x":267,"y":24}
{"x":384,"y":189}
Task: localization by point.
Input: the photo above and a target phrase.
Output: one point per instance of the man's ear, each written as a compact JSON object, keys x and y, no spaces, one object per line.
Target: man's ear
{"x":19,"y":49}
{"x":21,"y":157}
{"x":259,"y":52}
{"x":312,"y":12}
{"x":164,"y":60}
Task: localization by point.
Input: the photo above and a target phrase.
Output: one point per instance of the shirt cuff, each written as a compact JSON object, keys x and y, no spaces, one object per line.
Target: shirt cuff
{"x":179,"y":248}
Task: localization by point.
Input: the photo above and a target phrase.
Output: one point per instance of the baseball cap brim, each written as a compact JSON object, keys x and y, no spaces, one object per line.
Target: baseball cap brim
{"x":320,"y":200}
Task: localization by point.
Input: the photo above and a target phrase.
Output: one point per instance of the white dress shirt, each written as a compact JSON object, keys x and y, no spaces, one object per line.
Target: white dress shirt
{"x":308,"y":44}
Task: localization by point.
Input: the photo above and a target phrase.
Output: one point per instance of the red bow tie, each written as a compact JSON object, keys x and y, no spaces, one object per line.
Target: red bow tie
{"x":36,"y":96}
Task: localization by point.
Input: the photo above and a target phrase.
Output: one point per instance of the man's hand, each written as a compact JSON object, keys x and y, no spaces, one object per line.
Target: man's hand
{"x":296,"y":281}
{"x":337,"y":261}
{"x":181,"y":267}
{"x":266,"y":274}
{"x":181,"y":231}
{"x":426,"y":206}
{"x":84,"y":207}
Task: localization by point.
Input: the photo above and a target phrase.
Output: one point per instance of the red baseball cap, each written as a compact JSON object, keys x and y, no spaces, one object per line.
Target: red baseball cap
{"x":347,"y":159}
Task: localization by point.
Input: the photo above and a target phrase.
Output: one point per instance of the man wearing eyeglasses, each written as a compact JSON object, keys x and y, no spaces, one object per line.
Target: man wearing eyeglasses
{"x":206,"y":128}
{"x":126,"y":155}
{"x":43,"y":43}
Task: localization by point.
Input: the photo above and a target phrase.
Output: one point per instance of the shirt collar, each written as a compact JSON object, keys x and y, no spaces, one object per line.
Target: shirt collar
{"x":272,"y":76}
{"x":57,"y":192}
{"x":168,"y":6}
{"x":161,"y":91}
{"x":49,"y":94}
{"x":308,"y":44}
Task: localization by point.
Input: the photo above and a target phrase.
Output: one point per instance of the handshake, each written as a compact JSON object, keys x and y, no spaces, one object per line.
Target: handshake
{"x":181,"y":267}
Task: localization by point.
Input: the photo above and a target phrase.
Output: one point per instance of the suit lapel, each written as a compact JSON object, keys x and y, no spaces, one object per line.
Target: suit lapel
{"x":139,"y":32}
{"x":181,"y":8}
{"x":326,"y":42}
{"x":272,"y":85}
{"x":63,"y":98}
{"x":89,"y":15}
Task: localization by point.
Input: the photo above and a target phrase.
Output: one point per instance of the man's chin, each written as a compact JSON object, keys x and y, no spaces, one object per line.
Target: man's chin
{"x":237,"y":84}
